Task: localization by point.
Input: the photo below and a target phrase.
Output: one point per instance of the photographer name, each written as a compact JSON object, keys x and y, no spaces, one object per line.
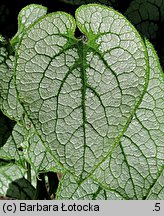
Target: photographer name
{"x":60,"y":207}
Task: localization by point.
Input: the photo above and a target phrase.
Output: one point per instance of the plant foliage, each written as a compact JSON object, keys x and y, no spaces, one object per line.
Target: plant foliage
{"x":90,"y":108}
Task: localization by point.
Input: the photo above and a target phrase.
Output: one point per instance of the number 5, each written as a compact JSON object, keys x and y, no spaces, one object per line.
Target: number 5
{"x":157,"y":207}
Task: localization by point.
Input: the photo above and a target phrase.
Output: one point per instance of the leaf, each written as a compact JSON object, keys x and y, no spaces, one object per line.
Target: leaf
{"x":21,"y":189}
{"x":147,"y":16}
{"x":8,"y":100}
{"x":70,"y":88}
{"x":16,"y":145}
{"x":9,"y":173}
{"x":9,"y":103}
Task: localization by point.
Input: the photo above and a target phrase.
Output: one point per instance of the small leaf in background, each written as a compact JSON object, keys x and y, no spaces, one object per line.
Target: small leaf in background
{"x":147,"y":16}
{"x":21,"y":189}
{"x":9,"y":103}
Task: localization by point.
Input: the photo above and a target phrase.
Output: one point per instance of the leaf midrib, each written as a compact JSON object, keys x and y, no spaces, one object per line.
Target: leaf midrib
{"x":134,"y":110}
{"x":82,"y":54}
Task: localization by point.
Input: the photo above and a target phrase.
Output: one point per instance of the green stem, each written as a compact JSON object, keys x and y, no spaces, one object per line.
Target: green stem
{"x":28,"y":172}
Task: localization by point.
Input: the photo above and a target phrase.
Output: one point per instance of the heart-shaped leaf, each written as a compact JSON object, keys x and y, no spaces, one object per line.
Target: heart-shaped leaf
{"x":81,"y":94}
{"x":91,"y":108}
